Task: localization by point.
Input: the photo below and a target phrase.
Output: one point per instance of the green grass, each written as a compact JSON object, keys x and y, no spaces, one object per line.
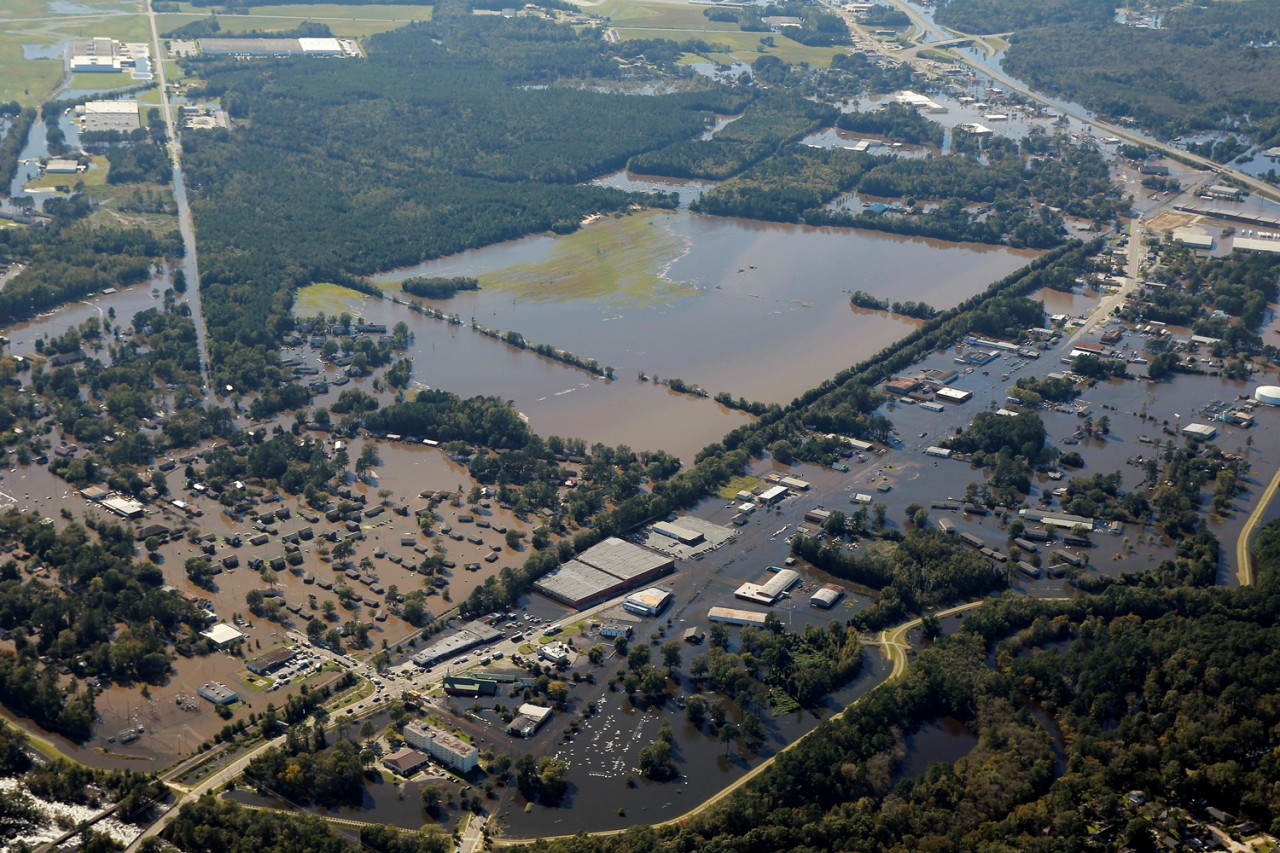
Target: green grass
{"x":743,"y":483}
{"x":350,"y":21}
{"x":326,"y":298}
{"x":615,"y":258}
{"x":95,"y":177}
{"x":30,"y":81}
{"x":642,"y":19}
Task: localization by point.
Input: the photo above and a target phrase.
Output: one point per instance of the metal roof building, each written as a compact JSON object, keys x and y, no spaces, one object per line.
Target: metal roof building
{"x":223,"y":635}
{"x":827,"y":597}
{"x":468,"y":636}
{"x":603,"y":570}
{"x":733,"y":616}
{"x":769,"y":591}
{"x":217,"y":693}
{"x":648,"y":602}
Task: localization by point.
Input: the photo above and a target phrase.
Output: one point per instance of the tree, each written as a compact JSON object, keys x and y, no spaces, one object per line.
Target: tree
{"x":655,"y":761}
{"x":368,"y":729}
{"x":671,"y":655}
{"x":728,"y":734}
{"x":638,"y":657}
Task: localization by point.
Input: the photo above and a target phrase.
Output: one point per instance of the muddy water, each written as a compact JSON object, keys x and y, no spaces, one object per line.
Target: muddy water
{"x":743,"y":296}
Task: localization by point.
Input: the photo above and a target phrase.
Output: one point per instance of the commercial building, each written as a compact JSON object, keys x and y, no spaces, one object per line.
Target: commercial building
{"x":817,"y":516}
{"x":733,"y":616}
{"x":648,"y":602}
{"x":119,"y":116}
{"x":772,"y":495}
{"x":271,"y":661}
{"x":1056,"y":519}
{"x":453,"y":752}
{"x":953,"y":395}
{"x":217,"y":693}
{"x":529,"y":718}
{"x":604,"y":570}
{"x":1200,"y":431}
{"x":795,"y":483}
{"x":940,"y":452}
{"x":123,"y":507}
{"x":683,"y":535}
{"x":223,"y":635}
{"x":554,"y":653}
{"x":467,"y":637}
{"x":1196,"y":238}
{"x":1254,"y":244}
{"x":827,"y":597}
{"x":406,"y":762}
{"x":612,"y":632}
{"x":62,"y":167}
{"x":919,"y":101}
{"x":902,"y":386}
{"x":772,"y":589}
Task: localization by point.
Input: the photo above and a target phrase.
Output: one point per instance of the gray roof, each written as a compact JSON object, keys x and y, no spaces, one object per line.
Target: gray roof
{"x":575,"y":581}
{"x":622,"y":559}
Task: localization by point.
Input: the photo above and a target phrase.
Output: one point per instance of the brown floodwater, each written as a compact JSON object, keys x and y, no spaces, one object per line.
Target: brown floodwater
{"x":754,"y":309}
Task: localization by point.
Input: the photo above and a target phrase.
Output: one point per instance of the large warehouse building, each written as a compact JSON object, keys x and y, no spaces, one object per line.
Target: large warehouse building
{"x":271,"y":47}
{"x":602,"y":571}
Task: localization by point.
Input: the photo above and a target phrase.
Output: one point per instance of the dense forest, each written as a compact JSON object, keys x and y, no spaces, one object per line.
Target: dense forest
{"x":1221,"y":78}
{"x":452,"y":134}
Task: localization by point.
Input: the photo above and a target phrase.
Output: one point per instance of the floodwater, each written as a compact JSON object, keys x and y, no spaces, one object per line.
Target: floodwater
{"x":945,"y":740}
{"x":737,"y":297}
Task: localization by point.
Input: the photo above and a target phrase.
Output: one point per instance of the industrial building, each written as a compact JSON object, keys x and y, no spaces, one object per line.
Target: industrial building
{"x":453,"y":752}
{"x":529,"y":718}
{"x":1200,"y":431}
{"x":940,"y":452}
{"x":121,"y":116}
{"x":1056,"y":519}
{"x":62,"y":167}
{"x":1190,"y":235}
{"x":405,"y":762}
{"x":795,"y":483}
{"x":271,"y":47}
{"x":1268,"y":394}
{"x":919,"y":101}
{"x":817,"y":516}
{"x":827,"y":597}
{"x":271,"y":661}
{"x":602,"y":571}
{"x":648,"y":602}
{"x":772,"y":589}
{"x":733,"y":616}
{"x":223,"y":635}
{"x":106,"y":56}
{"x":683,"y":535}
{"x":468,"y":636}
{"x":1223,"y":192}
{"x":217,"y":693}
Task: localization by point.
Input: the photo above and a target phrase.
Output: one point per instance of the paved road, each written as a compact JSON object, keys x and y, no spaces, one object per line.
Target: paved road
{"x":189,"y":263}
{"x":1260,"y":187}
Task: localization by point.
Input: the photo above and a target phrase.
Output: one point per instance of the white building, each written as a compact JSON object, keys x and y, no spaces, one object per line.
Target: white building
{"x":453,"y":752}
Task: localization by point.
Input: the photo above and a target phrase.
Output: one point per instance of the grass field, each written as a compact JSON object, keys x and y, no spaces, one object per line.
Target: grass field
{"x":615,"y":258}
{"x":326,"y":298}
{"x":678,"y":21}
{"x":29,"y":22}
{"x":95,"y":177}
{"x":351,"y":21}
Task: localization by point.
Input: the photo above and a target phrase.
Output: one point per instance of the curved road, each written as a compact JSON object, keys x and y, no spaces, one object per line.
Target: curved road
{"x":924,"y":27}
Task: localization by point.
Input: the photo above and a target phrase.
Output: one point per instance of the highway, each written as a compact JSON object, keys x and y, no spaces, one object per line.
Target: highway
{"x":925,"y":27}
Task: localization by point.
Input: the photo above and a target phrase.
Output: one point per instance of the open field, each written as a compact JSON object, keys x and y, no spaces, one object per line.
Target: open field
{"x":31,"y":23}
{"x":96,"y":176}
{"x":643,"y":19}
{"x":326,"y":298}
{"x":620,"y":258}
{"x":353,"y":21}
